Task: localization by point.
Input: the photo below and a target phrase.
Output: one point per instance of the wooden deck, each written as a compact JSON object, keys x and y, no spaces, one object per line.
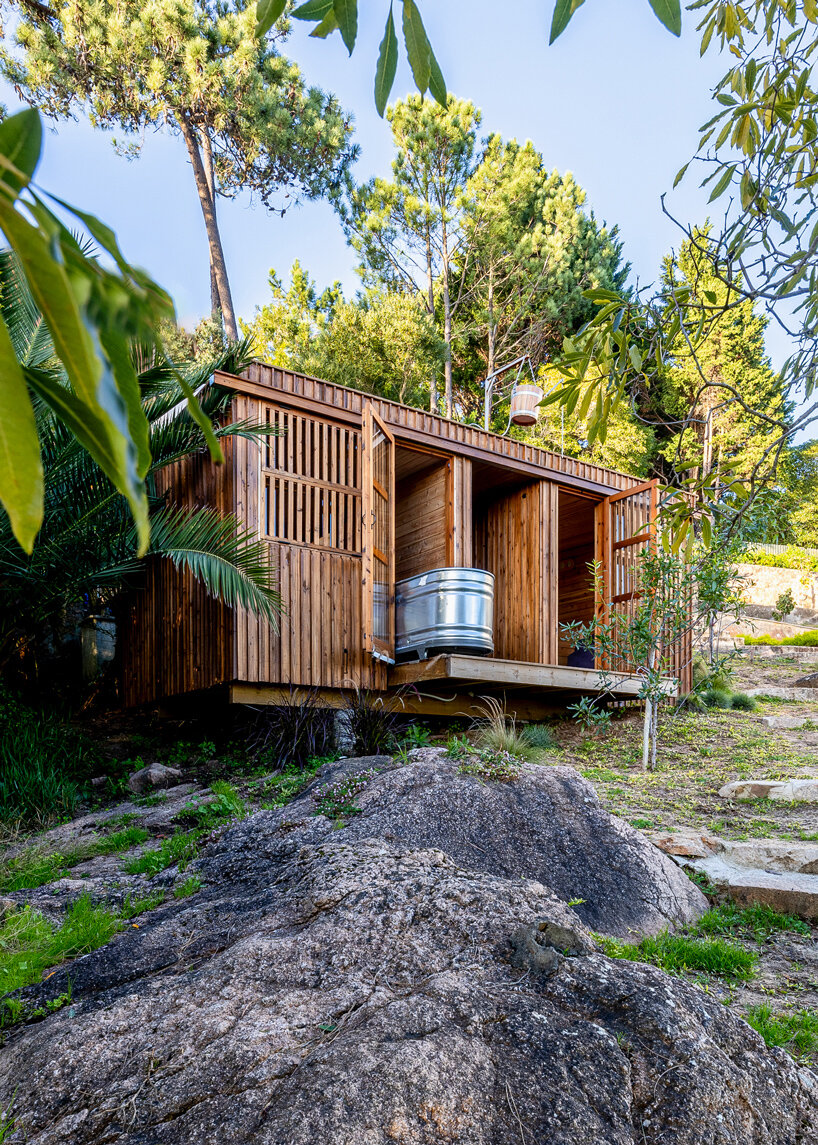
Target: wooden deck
{"x":484,"y":670}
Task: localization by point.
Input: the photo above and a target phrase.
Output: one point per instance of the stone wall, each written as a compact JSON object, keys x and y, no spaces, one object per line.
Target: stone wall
{"x":761,"y":587}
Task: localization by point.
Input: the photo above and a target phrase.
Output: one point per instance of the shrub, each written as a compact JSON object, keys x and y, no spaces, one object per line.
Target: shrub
{"x":41,"y":761}
{"x":807,"y":639}
{"x":784,"y":605}
{"x":371,"y":722}
{"x":495,"y":764}
{"x":741,"y":702}
{"x":716,"y":698}
{"x":540,"y":736}
{"x":791,"y":558}
{"x":291,"y":733}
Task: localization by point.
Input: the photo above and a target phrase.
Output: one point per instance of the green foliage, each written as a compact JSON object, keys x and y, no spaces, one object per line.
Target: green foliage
{"x":792,"y":558}
{"x":189,"y":887}
{"x":540,"y":737}
{"x":225,"y":807}
{"x":88,"y":315}
{"x":34,"y":867}
{"x":179,"y":849}
{"x":741,"y":702}
{"x":591,"y":714}
{"x":29,"y":943}
{"x":496,"y":764}
{"x":415,"y":735}
{"x":796,"y":1030}
{"x":248,"y":121}
{"x":40,"y":759}
{"x":283,"y":788}
{"x":337,"y":800}
{"x":134,"y":906}
{"x":680,"y":954}
{"x":784,"y":605}
{"x":716,"y":698}
{"x":85,"y":552}
{"x":759,"y":921}
{"x":799,"y":640}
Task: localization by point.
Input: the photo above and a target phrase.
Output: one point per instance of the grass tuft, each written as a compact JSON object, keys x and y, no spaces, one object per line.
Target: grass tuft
{"x":178,"y":849}
{"x":540,"y":737}
{"x":189,"y":887}
{"x":680,"y":954}
{"x":796,"y":1031}
{"x":758,"y":920}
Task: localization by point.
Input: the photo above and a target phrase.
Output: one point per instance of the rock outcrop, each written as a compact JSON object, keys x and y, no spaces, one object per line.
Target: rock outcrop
{"x":364,"y":993}
{"x":547,"y":825}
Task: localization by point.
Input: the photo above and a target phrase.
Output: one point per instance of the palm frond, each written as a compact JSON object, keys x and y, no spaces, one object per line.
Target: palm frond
{"x":231,"y":561}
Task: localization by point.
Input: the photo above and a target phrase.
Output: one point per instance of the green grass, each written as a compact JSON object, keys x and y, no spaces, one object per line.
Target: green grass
{"x":801,"y":640}
{"x":41,"y":764}
{"x":226,"y":806}
{"x":30,"y":944}
{"x":540,"y":737}
{"x":681,"y":954}
{"x":189,"y":887}
{"x":34,"y":867}
{"x":796,"y":1031}
{"x":132,"y":907}
{"x":179,"y":848}
{"x":281,"y":789}
{"x":758,"y":921}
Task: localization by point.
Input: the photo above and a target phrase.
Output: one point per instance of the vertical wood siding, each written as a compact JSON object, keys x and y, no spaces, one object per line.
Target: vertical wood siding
{"x":423,"y":531}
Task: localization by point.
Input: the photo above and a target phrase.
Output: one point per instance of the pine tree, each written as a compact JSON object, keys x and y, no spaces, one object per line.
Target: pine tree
{"x":195,"y":68}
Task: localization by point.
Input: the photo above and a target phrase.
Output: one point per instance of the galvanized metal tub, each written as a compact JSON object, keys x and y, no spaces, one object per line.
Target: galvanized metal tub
{"x":445,"y":610}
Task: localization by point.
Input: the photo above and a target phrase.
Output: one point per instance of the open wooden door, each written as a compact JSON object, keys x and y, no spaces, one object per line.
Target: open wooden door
{"x":378,"y":537}
{"x":625,"y":524}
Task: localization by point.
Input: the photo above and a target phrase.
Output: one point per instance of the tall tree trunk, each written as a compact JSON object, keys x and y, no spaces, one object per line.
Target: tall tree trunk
{"x":208,"y":205}
{"x":430,"y":306}
{"x":447,"y":325}
{"x":210,"y":175}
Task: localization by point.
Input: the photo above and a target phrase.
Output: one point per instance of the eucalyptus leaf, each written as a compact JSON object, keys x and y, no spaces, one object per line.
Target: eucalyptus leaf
{"x":387,"y":64}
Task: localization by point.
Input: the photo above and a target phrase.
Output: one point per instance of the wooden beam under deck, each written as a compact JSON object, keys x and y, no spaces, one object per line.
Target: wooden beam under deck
{"x":470,"y":670}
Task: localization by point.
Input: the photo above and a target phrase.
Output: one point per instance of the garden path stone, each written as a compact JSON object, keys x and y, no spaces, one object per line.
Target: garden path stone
{"x":788,"y":722}
{"x":784,"y":791}
{"x":779,"y":873}
{"x":808,"y":695}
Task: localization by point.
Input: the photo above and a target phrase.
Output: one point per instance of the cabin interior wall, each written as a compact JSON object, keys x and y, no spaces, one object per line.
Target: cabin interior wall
{"x":421,"y":522}
{"x":575,"y":592}
{"x":508,"y":541}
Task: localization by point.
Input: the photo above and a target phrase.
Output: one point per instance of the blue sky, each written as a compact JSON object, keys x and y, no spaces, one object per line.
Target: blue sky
{"x":617,"y":100}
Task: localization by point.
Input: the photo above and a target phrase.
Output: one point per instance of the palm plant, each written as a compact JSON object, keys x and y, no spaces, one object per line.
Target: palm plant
{"x":84,"y":554}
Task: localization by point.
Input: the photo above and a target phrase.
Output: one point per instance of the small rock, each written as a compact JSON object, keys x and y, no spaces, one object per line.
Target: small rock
{"x":155,"y":775}
{"x":810,"y":681}
{"x":784,"y":721}
{"x":791,"y":791}
{"x":99,"y":780}
{"x":686,"y":844}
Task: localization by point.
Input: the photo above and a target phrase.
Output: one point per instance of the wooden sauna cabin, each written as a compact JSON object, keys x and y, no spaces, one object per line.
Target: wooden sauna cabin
{"x":355,"y":493}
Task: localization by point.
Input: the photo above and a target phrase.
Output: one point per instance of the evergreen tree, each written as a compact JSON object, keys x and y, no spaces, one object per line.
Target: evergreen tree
{"x":408,"y":230}
{"x":383,"y":341}
{"x":283,"y":330}
{"x":716,"y":393}
{"x":529,"y":253}
{"x":197,"y":69}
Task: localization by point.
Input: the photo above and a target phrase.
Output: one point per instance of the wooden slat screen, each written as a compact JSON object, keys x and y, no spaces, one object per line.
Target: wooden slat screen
{"x":311,"y":482}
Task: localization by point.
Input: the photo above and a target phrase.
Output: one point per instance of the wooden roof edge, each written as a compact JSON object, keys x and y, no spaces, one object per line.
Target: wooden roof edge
{"x":551,"y":461}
